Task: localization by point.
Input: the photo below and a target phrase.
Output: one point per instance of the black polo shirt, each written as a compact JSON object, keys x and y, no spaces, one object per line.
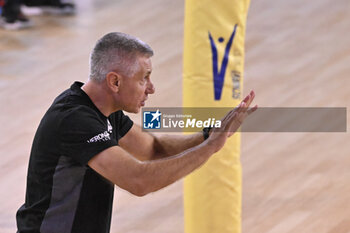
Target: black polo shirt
{"x":63,"y":193}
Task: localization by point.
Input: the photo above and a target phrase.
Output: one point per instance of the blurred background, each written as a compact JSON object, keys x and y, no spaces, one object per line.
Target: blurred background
{"x":297,"y":55}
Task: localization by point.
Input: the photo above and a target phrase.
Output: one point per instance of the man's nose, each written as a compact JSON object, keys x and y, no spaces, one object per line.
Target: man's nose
{"x":150,"y":88}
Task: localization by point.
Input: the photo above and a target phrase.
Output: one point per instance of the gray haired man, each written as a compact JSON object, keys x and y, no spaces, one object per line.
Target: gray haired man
{"x":85,"y":144}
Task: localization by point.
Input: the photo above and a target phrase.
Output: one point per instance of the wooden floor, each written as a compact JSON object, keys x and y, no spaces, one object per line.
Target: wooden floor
{"x":297,"y":55}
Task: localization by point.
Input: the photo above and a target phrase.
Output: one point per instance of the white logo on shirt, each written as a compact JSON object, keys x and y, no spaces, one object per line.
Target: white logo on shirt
{"x":109,"y":127}
{"x":105,"y":136}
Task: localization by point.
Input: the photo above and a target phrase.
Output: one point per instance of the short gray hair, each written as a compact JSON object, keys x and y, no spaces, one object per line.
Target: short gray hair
{"x":116,"y":51}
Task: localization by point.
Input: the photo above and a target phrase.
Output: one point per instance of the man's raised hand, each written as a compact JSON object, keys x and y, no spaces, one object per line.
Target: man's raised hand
{"x":231,"y":122}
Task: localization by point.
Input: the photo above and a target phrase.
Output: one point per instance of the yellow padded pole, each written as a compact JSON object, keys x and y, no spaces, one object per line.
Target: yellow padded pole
{"x":213,"y":77}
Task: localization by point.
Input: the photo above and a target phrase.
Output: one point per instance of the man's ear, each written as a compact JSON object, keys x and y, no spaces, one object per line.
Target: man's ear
{"x":113,"y":81}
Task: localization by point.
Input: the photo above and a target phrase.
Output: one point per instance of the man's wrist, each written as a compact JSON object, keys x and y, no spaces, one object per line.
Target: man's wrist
{"x":206,"y":132}
{"x":210,"y":146}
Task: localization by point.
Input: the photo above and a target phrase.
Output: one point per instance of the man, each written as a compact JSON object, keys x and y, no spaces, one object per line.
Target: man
{"x":85,"y":144}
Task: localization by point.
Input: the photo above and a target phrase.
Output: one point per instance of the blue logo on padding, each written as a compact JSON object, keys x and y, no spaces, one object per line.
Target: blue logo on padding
{"x":219,"y":74}
{"x":152,"y":119}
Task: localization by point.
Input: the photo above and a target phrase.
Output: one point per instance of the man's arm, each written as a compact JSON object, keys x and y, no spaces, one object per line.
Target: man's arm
{"x":141,"y":178}
{"x":145,"y":146}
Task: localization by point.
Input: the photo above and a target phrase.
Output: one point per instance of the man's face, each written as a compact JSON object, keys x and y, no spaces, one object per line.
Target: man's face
{"x":135,"y":89}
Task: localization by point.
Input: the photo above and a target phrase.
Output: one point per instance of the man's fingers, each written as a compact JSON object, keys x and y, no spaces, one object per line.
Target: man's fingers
{"x":230,"y":120}
{"x":246,"y":98}
{"x":237,"y":109}
{"x":252,"y":109}
{"x":249,"y":98}
{"x":236,"y":122}
{"x":237,"y":115}
{"x":247,"y":101}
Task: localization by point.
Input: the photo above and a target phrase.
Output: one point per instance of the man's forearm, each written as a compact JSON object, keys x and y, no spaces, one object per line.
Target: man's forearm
{"x":163,"y":172}
{"x":168,"y":145}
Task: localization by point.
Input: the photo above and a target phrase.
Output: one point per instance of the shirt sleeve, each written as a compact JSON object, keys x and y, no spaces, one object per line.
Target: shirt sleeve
{"x":123,"y":124}
{"x":84,"y":134}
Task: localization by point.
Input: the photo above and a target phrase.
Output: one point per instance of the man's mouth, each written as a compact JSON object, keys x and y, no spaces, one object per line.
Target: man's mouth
{"x":143,"y":102}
